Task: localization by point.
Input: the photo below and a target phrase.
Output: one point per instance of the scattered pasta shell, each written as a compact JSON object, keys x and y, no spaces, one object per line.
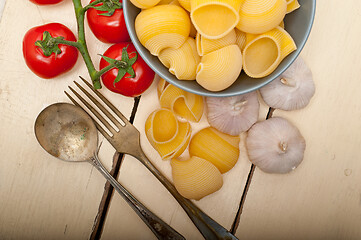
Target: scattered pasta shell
{"x":221,"y":149}
{"x":274,"y":45}
{"x":162,"y":26}
{"x":292,"y":5}
{"x":181,"y":62}
{"x":184,"y":104}
{"x":259,"y":16}
{"x":240,"y":39}
{"x":168,"y":135}
{"x":195,"y":178}
{"x":220,"y":69}
{"x":186,"y":4}
{"x":214,"y":19}
{"x":144,"y":3}
{"x":205,"y":46}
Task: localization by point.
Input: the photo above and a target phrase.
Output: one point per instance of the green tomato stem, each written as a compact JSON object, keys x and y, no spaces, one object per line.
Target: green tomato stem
{"x":82,"y":47}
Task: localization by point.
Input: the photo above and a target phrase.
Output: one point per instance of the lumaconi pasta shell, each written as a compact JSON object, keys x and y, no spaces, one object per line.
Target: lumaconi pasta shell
{"x":186,"y":4}
{"x":161,"y":27}
{"x":145,"y":3}
{"x":221,"y":149}
{"x":273,"y":45}
{"x":292,"y":5}
{"x":214,"y":19}
{"x":185,"y":104}
{"x":205,"y":45}
{"x":219,"y":69}
{"x":240,"y":39}
{"x":168,"y":135}
{"x":183,"y":61}
{"x":259,"y":16}
{"x":195,"y":178}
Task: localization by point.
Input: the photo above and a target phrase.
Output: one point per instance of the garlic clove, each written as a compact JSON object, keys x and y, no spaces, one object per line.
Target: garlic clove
{"x":275,"y":145}
{"x":233,"y":115}
{"x":195,"y":178}
{"x":292,"y":90}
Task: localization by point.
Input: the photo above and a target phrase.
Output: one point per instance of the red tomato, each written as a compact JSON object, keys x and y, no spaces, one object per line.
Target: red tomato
{"x":108,"y":29}
{"x":55,"y":64}
{"x":45,"y":2}
{"x":127,"y":86}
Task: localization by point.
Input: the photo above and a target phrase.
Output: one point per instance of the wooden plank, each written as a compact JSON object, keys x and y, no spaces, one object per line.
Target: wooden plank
{"x":41,"y":197}
{"x":221,"y":206}
{"x":321,"y":198}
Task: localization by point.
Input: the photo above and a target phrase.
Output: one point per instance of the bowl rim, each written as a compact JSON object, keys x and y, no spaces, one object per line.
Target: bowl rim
{"x":208,"y":93}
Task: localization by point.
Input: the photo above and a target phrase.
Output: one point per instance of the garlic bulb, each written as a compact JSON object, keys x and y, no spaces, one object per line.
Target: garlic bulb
{"x":195,"y":178}
{"x":233,"y":115}
{"x":275,"y":145}
{"x":292,"y":90}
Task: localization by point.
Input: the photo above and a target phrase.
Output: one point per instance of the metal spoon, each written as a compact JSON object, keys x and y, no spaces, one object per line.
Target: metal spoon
{"x":68,"y":133}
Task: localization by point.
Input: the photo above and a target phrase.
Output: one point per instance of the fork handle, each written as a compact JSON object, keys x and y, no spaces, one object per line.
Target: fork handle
{"x":161,"y":229}
{"x":209,"y":228}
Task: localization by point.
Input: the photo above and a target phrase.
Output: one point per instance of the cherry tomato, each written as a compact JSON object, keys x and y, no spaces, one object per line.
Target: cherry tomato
{"x":108,"y":29}
{"x":45,"y":2}
{"x":128,"y":85}
{"x":55,"y":64}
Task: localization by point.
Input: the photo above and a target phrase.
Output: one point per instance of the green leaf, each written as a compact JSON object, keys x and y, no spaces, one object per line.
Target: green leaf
{"x":120,"y":75}
{"x":49,"y":44}
{"x":108,"y":59}
{"x":109,"y":7}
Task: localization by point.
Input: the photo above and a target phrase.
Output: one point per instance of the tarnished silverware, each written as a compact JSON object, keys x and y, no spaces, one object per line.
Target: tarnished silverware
{"x":127,"y":140}
{"x":68,"y":133}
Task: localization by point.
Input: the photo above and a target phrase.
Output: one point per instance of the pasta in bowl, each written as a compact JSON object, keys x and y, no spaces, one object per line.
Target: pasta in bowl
{"x":297,"y":19}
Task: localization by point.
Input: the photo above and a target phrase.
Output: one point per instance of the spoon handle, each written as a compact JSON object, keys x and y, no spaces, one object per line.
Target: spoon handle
{"x":161,"y":229}
{"x":209,"y":228}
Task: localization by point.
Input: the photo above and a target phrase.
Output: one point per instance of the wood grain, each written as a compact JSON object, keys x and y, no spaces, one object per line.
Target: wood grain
{"x":321,"y":199}
{"x":42,"y":197}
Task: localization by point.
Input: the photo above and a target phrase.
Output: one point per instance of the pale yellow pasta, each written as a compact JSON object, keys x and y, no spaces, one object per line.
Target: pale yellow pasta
{"x":183,"y":61}
{"x":186,"y":4}
{"x":240,"y":39}
{"x":195,"y":178}
{"x":161,"y":27}
{"x":292,"y":5}
{"x":263,"y":53}
{"x":205,"y":45}
{"x":168,"y":135}
{"x":214,"y":19}
{"x":145,"y":3}
{"x":184,"y":104}
{"x":220,"y":69}
{"x":221,"y":149}
{"x":259,"y":16}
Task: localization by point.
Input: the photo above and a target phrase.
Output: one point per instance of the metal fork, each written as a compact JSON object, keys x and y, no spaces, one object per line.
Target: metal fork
{"x":127,"y":140}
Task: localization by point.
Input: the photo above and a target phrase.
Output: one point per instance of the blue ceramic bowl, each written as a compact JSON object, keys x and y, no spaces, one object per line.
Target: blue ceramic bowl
{"x":297,"y":23}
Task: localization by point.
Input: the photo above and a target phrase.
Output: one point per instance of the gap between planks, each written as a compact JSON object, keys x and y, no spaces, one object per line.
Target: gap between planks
{"x":248,"y":184}
{"x":99,"y":221}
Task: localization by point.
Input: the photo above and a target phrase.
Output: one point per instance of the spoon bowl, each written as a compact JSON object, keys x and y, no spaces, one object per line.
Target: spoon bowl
{"x":68,"y":133}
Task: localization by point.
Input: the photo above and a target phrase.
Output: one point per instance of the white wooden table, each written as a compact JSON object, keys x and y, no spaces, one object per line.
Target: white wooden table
{"x":44,"y":198}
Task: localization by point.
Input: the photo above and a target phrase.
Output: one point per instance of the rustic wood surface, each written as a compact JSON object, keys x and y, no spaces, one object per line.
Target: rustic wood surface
{"x":44,"y":198}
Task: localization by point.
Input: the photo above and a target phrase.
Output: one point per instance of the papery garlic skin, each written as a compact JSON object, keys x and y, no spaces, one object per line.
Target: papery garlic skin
{"x":275,"y":145}
{"x":292,"y":90}
{"x":233,"y":115}
{"x":195,"y":178}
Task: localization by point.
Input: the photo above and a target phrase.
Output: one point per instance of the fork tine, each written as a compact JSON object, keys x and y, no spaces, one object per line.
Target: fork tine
{"x":100,"y":106}
{"x":95,"y":112}
{"x":106,"y":101}
{"x":99,"y":127}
